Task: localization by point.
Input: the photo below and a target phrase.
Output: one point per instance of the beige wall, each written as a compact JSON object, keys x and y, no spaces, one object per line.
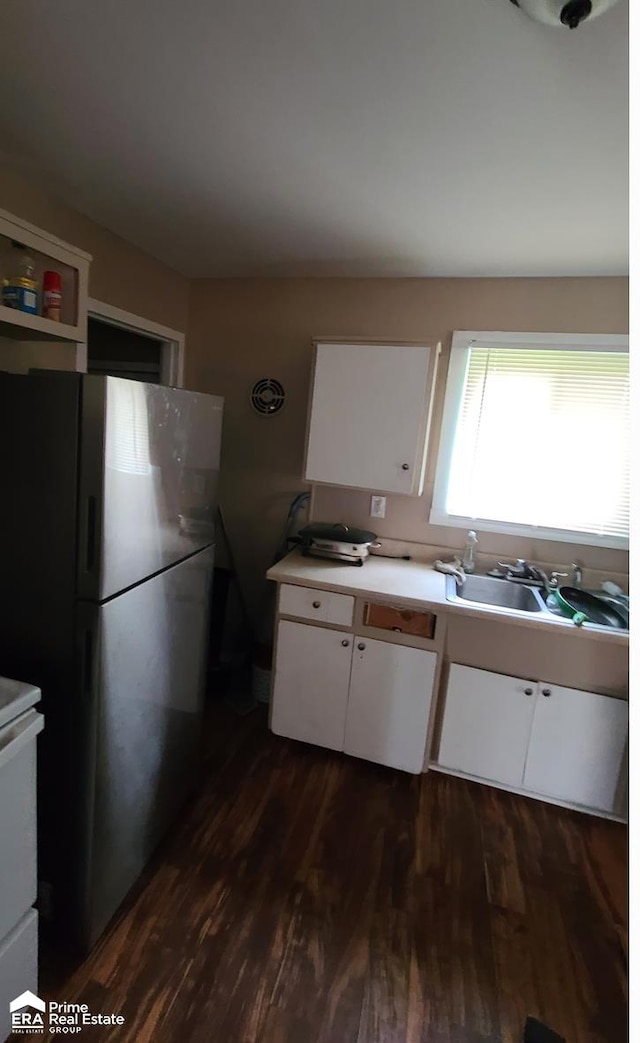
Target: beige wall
{"x":240,"y":330}
{"x":120,"y":274}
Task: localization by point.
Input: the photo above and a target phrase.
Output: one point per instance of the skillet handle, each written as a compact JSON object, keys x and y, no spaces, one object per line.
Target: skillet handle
{"x":580,"y":618}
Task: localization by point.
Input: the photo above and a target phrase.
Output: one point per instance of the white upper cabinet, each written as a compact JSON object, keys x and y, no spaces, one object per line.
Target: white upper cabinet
{"x":369,"y":416}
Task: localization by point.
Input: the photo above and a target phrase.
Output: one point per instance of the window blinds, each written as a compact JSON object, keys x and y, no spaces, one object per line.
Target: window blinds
{"x":542,"y":439}
{"x":128,"y":428}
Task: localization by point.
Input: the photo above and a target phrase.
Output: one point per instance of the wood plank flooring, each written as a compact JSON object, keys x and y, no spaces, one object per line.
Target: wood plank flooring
{"x":307,"y":897}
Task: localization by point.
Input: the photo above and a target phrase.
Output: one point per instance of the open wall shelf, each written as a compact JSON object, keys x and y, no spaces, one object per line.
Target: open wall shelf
{"x":48,"y":253}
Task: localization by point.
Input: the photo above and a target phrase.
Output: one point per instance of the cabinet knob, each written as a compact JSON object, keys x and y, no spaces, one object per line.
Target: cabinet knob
{"x":405,"y":467}
{"x":546,"y":692}
{"x":345,"y":643}
{"x":528,"y":691}
{"x":316,"y":604}
{"x":361,"y":647}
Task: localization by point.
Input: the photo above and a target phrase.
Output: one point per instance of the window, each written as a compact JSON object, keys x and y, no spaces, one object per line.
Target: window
{"x":535,"y":437}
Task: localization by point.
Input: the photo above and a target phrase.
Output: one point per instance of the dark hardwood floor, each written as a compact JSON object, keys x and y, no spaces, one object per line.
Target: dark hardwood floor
{"x":306,"y":897}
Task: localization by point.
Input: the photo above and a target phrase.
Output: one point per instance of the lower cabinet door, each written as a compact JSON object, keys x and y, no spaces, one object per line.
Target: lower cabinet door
{"x":389,"y":702}
{"x":311,"y":684}
{"x":577,"y":748}
{"x":486,"y":724}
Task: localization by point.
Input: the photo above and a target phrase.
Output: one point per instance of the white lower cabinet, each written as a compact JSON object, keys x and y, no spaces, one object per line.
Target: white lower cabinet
{"x":18,"y":966}
{"x":553,"y":741}
{"x":486,"y":724}
{"x":389,"y":702}
{"x":578,"y":744}
{"x":369,"y":698}
{"x":311,"y":684}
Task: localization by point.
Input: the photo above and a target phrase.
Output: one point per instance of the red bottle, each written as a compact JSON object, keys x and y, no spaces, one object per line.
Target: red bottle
{"x":51,"y":295}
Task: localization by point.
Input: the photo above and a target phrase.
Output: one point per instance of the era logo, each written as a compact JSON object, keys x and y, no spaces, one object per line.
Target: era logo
{"x":23,"y":1020}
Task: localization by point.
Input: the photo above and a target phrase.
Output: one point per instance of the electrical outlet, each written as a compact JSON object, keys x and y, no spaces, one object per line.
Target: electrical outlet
{"x":378,"y":506}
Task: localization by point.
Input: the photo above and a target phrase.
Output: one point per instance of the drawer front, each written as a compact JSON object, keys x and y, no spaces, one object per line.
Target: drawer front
{"x":323,"y":605}
{"x":18,"y":818}
{"x":401,"y":620}
{"x":18,"y":967}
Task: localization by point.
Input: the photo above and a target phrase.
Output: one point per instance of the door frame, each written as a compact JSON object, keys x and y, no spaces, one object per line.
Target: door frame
{"x":172,"y":358}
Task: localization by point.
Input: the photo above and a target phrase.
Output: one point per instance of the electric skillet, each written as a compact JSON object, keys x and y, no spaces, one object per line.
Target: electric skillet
{"x":337,"y":542}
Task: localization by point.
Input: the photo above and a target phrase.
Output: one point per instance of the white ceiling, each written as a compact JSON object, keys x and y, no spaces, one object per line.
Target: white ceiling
{"x":328,"y":137}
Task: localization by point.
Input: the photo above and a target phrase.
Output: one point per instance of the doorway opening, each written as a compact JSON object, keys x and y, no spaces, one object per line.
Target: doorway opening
{"x":117,"y":352}
{"x":120,"y":344}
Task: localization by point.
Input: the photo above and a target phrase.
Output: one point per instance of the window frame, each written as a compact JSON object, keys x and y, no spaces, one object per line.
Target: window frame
{"x":461,"y":342}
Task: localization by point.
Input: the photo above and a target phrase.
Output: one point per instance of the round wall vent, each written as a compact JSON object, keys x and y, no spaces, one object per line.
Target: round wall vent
{"x":267,"y":396}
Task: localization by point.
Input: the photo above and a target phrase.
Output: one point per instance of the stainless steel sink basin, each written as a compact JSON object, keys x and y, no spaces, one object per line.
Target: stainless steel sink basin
{"x":483,"y":590}
{"x":514,"y":597}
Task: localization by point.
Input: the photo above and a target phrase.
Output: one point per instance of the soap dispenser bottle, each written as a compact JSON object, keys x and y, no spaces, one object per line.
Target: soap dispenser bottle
{"x":469,"y":553}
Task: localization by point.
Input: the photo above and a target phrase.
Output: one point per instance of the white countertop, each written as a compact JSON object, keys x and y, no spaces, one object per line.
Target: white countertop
{"x":15,"y":698}
{"x":419,"y":585}
{"x":378,"y":577}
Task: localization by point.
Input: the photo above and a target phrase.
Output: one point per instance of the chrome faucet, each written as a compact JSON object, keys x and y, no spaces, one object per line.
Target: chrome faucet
{"x":576,"y":577}
{"x":553,"y":581}
{"x":538,"y":576}
{"x":514,"y":568}
{"x":519,"y":569}
{"x":524,"y":570}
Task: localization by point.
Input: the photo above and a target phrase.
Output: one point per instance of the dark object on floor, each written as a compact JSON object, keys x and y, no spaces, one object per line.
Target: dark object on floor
{"x":536,"y":1032}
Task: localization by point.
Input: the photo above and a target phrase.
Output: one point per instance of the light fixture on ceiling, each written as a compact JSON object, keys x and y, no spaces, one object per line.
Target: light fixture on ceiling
{"x":571,"y":13}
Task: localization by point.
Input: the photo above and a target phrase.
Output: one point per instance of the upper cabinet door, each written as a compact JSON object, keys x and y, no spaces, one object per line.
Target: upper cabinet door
{"x":369,"y":416}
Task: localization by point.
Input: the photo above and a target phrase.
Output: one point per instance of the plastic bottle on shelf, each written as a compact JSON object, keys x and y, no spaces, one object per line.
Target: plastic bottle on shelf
{"x":51,"y":295}
{"x":469,"y":553}
{"x":20,"y":290}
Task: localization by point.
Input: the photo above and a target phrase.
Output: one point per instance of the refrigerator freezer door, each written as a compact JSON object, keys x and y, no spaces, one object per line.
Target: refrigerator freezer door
{"x":149,"y":474}
{"x":148,"y":676}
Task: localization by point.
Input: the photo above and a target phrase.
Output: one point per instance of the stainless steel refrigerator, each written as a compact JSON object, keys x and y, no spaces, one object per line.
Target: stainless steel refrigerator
{"x":107,"y":511}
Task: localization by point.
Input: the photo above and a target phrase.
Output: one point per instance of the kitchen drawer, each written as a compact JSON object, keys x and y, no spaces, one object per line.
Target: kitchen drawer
{"x":401,"y":620}
{"x":323,"y":605}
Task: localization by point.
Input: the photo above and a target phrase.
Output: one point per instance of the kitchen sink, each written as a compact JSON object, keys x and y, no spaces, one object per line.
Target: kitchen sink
{"x":483,"y":590}
{"x":516,"y":597}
